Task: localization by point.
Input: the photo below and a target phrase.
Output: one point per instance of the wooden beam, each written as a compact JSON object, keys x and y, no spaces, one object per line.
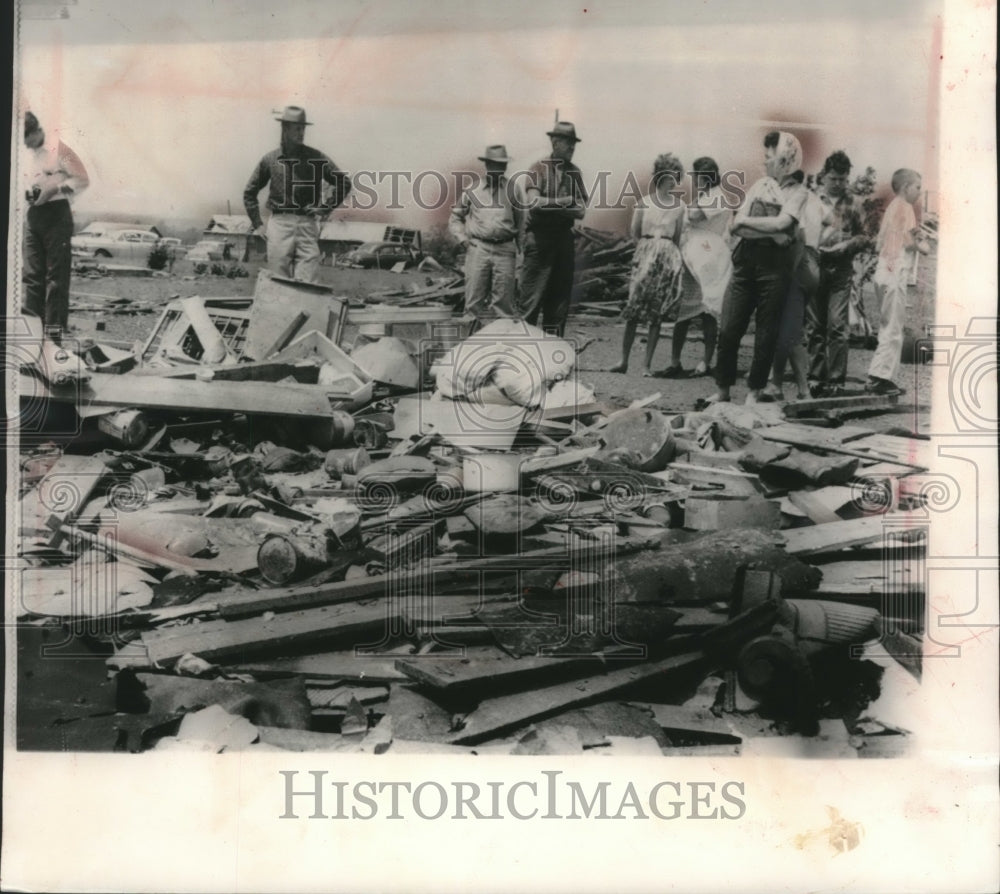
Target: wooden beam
{"x":452,"y":574}
{"x":814,"y":539}
{"x":498,"y":671}
{"x":498,"y":715}
{"x":841,"y":405}
{"x":813,"y":439}
{"x":212,"y":640}
{"x":256,"y":398}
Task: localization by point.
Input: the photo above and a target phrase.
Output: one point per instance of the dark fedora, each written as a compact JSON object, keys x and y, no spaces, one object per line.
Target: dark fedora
{"x":495,"y":153}
{"x":293,"y":115}
{"x":564,"y":129}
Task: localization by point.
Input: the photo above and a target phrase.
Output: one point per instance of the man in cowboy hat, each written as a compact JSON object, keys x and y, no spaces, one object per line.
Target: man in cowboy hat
{"x":487,"y":222}
{"x":556,"y":198}
{"x":56,"y":175}
{"x":297,"y":199}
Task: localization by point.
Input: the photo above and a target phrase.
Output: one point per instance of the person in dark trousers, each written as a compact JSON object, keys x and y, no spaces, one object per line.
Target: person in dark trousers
{"x":827,"y":312}
{"x":56,"y":176}
{"x":556,"y":199}
{"x":763,"y":263}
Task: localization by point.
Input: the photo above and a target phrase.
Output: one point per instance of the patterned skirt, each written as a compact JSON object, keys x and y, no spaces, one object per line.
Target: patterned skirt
{"x":655,"y":284}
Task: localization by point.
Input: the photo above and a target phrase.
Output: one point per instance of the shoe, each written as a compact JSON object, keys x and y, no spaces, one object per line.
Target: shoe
{"x":671,"y":372}
{"x":701,"y":370}
{"x":882,"y":387}
{"x":703,"y":403}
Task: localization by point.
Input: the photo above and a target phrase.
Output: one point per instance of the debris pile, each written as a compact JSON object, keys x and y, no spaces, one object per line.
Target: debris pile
{"x":604,"y":263}
{"x":275,"y":539}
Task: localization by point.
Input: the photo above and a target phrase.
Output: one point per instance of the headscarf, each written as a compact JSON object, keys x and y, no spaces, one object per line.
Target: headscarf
{"x":787,"y":154}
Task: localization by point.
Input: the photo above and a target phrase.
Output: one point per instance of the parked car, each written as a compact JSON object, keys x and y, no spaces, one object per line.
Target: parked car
{"x":174,"y":245}
{"x":380,"y":255}
{"x":126,"y":246}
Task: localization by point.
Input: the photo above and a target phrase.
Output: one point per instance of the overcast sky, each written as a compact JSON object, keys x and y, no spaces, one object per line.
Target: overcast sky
{"x":170,"y":104}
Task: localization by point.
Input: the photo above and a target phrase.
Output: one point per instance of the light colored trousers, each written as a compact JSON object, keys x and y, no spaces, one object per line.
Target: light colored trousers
{"x":293,"y":246}
{"x":489,"y":280}
{"x":891,"y":292}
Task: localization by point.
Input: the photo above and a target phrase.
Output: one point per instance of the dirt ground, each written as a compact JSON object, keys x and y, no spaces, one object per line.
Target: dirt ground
{"x":600,"y":337}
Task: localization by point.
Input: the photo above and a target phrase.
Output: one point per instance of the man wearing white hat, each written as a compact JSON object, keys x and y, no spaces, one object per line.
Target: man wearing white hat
{"x":297,"y":199}
{"x":556,"y":200}
{"x":487,"y":222}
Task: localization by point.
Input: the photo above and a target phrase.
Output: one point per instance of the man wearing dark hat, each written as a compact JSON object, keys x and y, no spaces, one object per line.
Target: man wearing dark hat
{"x":556,"y":198}
{"x":56,"y":175}
{"x":487,"y":222}
{"x":298,"y":199}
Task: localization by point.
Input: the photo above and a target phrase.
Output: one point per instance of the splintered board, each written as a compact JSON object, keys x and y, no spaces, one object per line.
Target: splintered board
{"x":848,"y":441}
{"x":225,"y":639}
{"x":150,"y":392}
{"x":278,"y":302}
{"x":498,"y":715}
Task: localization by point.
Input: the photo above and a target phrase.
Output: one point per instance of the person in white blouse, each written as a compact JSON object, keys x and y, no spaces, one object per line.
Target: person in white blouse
{"x":55,"y":177}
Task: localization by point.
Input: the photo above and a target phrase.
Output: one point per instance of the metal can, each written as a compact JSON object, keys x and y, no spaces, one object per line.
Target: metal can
{"x":369,"y":435}
{"x":130,"y":428}
{"x":346,"y":462}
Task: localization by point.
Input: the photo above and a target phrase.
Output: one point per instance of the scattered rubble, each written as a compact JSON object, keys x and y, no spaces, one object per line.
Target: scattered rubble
{"x":283,"y":539}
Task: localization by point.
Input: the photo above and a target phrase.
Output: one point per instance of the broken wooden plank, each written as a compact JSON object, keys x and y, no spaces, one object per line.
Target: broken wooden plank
{"x":221,"y":639}
{"x":390,"y":314}
{"x":496,"y":671}
{"x":686,"y":727}
{"x":257,"y":398}
{"x":820,"y":439}
{"x":853,"y":403}
{"x":498,"y":715}
{"x":832,"y":536}
{"x":277,"y":302}
{"x":533,"y":465}
{"x":329,"y":665}
{"x":439,"y":578}
{"x":814,"y":506}
{"x":287,"y":334}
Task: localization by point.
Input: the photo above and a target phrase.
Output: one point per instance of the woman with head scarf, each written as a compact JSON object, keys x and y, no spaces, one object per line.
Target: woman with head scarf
{"x":763,"y":263}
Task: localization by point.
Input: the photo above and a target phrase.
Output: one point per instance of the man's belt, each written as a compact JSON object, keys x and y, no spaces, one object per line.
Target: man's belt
{"x":506,"y":241}
{"x":298,"y":212}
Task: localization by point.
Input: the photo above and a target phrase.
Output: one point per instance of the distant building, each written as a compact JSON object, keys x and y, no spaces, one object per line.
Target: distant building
{"x":235,"y":229}
{"x":335,"y":237}
{"x":339,"y":236}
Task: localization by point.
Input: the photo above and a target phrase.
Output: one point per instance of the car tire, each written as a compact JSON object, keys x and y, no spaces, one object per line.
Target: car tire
{"x":102,"y":253}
